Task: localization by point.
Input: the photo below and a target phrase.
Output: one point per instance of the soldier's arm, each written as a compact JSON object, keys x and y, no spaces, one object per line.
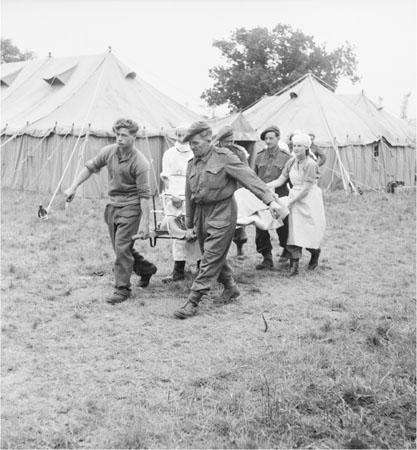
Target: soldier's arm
{"x":189,"y":206}
{"x":321,"y":157}
{"x":82,"y":176}
{"x":284,"y":177}
{"x":243,"y":174}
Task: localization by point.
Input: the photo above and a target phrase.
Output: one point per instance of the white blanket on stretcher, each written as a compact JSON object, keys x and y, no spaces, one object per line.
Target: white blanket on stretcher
{"x":252,"y":211}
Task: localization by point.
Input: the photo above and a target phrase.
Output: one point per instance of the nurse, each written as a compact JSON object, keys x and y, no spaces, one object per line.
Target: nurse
{"x":307,"y":221}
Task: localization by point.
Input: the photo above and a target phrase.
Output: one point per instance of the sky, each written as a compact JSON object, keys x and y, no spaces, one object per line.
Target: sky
{"x":169,"y":43}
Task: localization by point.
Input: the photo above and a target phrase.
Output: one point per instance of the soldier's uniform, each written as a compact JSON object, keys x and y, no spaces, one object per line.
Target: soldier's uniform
{"x":268,"y":166}
{"x":128,"y":182}
{"x":212,"y":211}
{"x":239,"y":236}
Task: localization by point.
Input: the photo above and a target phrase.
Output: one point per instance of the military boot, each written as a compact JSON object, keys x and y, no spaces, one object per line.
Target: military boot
{"x":177,"y":274}
{"x":190,"y":307}
{"x":144,"y":279}
{"x":314,"y":261}
{"x":293,"y":268}
{"x":266,"y":263}
{"x":285,"y":256}
{"x":119,"y":296}
{"x":144,"y":269}
{"x":231,"y":292}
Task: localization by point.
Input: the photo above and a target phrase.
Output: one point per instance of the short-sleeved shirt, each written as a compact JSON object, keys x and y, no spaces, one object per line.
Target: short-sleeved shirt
{"x":128,"y":175}
{"x":269,"y":165}
{"x":307,"y":167}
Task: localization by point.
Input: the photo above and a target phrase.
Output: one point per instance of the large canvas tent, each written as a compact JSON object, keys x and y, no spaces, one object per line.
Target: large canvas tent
{"x":361,"y":153}
{"x":58,"y":112}
{"x":395,"y":130}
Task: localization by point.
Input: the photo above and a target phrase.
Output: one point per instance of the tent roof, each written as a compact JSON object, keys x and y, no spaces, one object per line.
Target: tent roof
{"x":395,"y":130}
{"x":243,"y":130}
{"x":85,"y":92}
{"x":308,"y":104}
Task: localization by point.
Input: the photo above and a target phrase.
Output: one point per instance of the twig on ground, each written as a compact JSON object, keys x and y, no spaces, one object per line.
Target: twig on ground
{"x":265,"y":322}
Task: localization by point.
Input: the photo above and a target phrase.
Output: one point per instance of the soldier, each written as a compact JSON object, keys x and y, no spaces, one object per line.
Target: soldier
{"x":317,"y":151}
{"x":128,"y":208}
{"x":211,"y":211}
{"x":225,"y":139}
{"x":268,"y":166}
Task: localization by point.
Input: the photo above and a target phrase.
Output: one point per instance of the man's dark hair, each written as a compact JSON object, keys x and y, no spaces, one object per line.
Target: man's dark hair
{"x":131,"y":125}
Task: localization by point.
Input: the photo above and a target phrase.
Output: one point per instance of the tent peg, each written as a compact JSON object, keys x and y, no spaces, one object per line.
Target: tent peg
{"x":42,"y":213}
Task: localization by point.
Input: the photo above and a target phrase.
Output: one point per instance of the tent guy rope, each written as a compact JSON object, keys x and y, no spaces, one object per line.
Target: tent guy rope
{"x":102,"y":63}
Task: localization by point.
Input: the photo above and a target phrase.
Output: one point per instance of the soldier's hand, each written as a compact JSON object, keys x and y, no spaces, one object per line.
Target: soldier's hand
{"x":190,"y":235}
{"x":274,"y":209}
{"x":143,"y":232}
{"x":69,"y":194}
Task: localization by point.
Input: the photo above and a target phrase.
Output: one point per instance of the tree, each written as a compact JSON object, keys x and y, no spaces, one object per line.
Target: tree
{"x":11,"y":53}
{"x":260,"y":62}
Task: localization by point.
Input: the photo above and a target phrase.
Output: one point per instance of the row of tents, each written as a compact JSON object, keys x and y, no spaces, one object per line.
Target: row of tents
{"x":58,"y":112}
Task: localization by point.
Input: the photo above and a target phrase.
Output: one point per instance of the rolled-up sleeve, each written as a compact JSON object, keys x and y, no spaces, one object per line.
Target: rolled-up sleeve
{"x":99,"y":161}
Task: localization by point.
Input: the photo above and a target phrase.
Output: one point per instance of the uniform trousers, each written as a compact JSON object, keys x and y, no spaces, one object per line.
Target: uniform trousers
{"x":215,"y":226}
{"x":240,"y":237}
{"x":263,"y":238}
{"x":123,"y":223}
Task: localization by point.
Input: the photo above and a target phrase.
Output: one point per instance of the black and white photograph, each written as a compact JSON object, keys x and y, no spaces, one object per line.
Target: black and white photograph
{"x":208,"y":224}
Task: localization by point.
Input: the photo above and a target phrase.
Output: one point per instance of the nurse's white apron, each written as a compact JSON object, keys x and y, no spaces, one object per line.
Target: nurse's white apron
{"x":307,"y":221}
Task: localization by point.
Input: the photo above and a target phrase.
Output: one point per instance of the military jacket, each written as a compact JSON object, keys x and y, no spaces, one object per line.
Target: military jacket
{"x":269,"y":165}
{"x":214,"y":177}
{"x":240,"y":152}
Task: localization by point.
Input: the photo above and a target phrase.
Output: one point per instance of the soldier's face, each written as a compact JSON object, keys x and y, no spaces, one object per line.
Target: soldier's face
{"x":227,"y":142}
{"x":271,"y":139}
{"x":124,"y":139}
{"x":199,"y":145}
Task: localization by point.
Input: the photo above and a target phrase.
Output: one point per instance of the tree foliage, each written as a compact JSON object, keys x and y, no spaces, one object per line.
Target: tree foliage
{"x":260,"y":62}
{"x":11,"y":53}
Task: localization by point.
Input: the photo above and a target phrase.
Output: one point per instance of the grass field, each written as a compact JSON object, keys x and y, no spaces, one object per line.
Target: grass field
{"x":335,"y":368}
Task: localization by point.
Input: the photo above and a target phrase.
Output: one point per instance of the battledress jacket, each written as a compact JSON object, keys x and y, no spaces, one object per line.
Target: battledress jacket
{"x":213,"y":178}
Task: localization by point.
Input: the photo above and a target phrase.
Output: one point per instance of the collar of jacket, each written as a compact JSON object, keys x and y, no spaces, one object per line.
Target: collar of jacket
{"x":272,"y":153}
